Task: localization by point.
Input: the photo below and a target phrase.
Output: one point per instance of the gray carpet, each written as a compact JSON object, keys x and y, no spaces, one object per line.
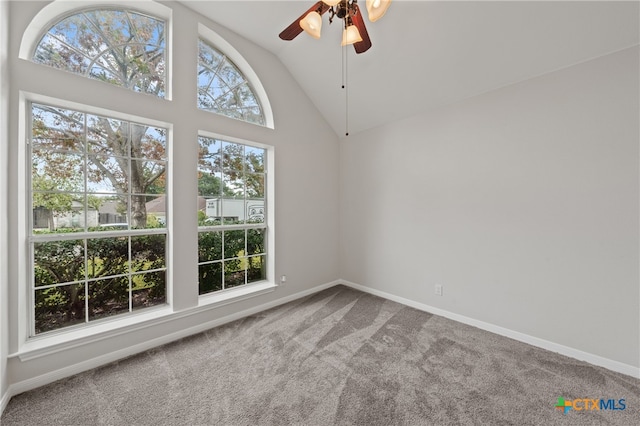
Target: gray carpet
{"x":337,"y":357}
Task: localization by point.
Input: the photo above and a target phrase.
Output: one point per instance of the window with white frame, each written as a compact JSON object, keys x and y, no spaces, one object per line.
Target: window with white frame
{"x":223,"y":89}
{"x":96,"y":181}
{"x":121,"y":47}
{"x":98,"y":234}
{"x":231,"y":214}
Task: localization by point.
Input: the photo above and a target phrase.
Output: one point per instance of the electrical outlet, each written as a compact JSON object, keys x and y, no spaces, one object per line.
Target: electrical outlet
{"x":438,"y":289}
{"x":283,"y":279}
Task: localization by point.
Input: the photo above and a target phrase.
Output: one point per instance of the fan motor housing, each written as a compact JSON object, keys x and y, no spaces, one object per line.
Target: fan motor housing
{"x":343,"y":9}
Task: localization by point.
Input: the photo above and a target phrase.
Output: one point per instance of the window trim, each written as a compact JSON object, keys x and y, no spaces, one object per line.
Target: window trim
{"x":20,"y":344}
{"x":25,"y":299}
{"x":216,"y":297}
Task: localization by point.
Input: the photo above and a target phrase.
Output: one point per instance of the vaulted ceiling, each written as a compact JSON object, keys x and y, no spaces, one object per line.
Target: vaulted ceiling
{"x":427,"y":54}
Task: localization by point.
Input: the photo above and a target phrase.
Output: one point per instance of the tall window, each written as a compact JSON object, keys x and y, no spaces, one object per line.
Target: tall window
{"x":231,"y":214}
{"x":223,"y":89}
{"x":96,"y":182}
{"x":120,"y":47}
{"x":98,"y":235}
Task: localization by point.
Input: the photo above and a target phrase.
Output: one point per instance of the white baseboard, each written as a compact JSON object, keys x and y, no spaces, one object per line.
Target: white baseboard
{"x":609,"y":364}
{"x":5,"y":400}
{"x":44,"y":379}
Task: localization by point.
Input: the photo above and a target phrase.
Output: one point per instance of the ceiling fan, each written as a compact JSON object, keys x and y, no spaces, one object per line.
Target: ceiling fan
{"x":354,"y":31}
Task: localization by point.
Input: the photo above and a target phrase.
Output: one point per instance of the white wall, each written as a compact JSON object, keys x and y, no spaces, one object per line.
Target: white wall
{"x":306,"y":158}
{"x":4,"y":140}
{"x":521,"y":202}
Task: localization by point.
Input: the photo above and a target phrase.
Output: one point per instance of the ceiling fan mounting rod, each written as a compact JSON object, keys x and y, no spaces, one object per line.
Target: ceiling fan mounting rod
{"x":343,"y":10}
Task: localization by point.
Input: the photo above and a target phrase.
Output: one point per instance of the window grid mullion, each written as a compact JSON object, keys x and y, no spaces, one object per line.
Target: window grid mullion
{"x":130,"y":271}
{"x":223,"y":261}
{"x":86,"y":282}
{"x":84,"y":211}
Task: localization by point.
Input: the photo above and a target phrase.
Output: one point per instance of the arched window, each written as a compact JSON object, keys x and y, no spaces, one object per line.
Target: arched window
{"x":99,"y":180}
{"x":120,"y":47}
{"x":223,"y":89}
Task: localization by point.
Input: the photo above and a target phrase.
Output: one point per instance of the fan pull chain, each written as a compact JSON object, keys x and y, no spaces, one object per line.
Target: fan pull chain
{"x":345,"y":84}
{"x":342,"y":53}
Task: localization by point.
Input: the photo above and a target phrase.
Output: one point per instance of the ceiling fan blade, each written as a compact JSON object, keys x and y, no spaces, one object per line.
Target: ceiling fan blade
{"x":365,"y":44}
{"x":294,"y":29}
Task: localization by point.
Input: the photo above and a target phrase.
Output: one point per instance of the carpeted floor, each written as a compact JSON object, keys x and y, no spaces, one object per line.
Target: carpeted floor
{"x":337,"y":357}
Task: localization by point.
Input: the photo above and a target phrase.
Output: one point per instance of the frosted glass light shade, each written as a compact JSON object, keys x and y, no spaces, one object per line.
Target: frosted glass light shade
{"x":377,"y":8}
{"x":312,"y":24}
{"x":351,"y":35}
{"x":331,"y":2}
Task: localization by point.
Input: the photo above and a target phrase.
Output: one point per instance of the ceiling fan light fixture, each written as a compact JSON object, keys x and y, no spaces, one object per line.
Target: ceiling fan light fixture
{"x":351,"y":35}
{"x":346,"y":11}
{"x":377,"y":8}
{"x":312,"y":24}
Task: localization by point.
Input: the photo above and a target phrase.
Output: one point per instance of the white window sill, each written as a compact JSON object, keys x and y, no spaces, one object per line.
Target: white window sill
{"x":40,"y":346}
{"x":232,"y":295}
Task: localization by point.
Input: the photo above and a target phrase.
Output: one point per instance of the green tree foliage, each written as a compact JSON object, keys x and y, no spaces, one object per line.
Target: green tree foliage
{"x":243,"y":254}
{"x":210,"y":185}
{"x":109,"y":267}
{"x":240,"y":167}
{"x":49,"y":200}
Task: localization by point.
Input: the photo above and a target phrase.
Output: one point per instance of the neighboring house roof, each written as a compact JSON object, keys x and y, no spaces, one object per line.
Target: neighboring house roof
{"x":110,"y":206}
{"x":157,"y":205}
